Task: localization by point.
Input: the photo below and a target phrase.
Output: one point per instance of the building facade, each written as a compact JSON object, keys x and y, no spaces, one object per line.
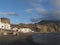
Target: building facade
{"x":5,"y":23}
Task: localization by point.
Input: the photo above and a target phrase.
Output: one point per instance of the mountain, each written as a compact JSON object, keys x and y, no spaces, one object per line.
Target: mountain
{"x":49,"y":21}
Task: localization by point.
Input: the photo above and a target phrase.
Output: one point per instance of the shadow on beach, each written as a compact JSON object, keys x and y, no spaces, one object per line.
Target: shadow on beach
{"x":52,"y":39}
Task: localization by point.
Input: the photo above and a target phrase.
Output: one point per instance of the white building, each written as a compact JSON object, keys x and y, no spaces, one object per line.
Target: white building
{"x":25,"y":30}
{"x":15,"y":29}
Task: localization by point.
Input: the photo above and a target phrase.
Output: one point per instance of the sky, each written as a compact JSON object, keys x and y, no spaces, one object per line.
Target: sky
{"x":22,"y":11}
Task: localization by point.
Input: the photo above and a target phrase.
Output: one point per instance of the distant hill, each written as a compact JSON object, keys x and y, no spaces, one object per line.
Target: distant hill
{"x":49,"y":21}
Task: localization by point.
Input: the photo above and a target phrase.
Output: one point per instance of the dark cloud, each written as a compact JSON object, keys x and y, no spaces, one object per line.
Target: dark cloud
{"x":54,"y":14}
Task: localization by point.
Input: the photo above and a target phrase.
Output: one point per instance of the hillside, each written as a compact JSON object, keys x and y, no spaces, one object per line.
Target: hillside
{"x":43,"y":26}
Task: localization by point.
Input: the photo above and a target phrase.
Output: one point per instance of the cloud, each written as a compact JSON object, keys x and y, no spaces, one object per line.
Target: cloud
{"x":53,"y":15}
{"x":55,"y":12}
{"x":37,"y":1}
{"x":41,"y":10}
{"x":35,"y":20}
{"x":29,"y":10}
{"x":9,"y":14}
{"x":36,"y":5}
{"x":56,"y":3}
{"x":38,"y":10}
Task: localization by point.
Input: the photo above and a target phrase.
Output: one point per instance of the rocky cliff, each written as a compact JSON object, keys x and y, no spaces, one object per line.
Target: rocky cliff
{"x":48,"y":26}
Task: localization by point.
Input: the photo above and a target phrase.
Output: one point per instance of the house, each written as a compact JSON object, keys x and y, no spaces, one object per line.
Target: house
{"x":25,"y":30}
{"x":14,"y":29}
